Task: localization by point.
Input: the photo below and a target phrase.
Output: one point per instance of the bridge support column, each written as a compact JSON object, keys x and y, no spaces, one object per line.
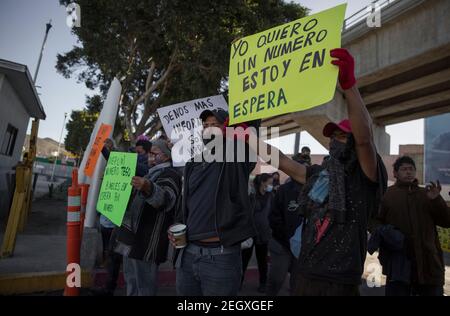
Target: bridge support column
{"x":382,"y":140}
{"x":315,"y":119}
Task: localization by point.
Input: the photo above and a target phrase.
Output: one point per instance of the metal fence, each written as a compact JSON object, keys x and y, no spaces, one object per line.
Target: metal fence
{"x":364,"y":13}
{"x":46,"y":168}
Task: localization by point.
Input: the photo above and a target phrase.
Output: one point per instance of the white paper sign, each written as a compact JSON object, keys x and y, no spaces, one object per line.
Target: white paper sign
{"x":182,"y":119}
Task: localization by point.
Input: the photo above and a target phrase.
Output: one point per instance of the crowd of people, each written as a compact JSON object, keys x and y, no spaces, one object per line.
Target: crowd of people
{"x":317,"y":227}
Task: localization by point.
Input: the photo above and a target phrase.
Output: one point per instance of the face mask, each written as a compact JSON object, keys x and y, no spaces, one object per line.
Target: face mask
{"x":210,"y":133}
{"x":269,"y":188}
{"x":319,"y":191}
{"x":206,"y":141}
{"x":208,"y":136}
{"x":159,"y":159}
{"x":337,"y":149}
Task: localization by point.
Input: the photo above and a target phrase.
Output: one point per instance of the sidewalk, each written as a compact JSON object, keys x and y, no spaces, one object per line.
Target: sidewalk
{"x":39,"y":260}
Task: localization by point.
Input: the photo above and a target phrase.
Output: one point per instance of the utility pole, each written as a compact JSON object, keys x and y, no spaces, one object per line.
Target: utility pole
{"x":59,"y":147}
{"x":297,"y":142}
{"x":47,"y":30}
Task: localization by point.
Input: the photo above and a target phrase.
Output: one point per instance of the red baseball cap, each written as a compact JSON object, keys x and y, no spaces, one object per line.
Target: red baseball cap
{"x":343,"y":125}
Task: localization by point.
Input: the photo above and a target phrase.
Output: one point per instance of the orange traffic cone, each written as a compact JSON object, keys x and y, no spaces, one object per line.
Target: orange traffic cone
{"x":73,"y":232}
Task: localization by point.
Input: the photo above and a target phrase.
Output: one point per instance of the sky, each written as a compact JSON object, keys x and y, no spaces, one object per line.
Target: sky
{"x":22,"y":28}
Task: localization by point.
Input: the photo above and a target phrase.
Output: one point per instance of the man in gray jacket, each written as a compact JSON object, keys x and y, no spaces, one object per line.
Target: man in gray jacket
{"x":142,"y":238}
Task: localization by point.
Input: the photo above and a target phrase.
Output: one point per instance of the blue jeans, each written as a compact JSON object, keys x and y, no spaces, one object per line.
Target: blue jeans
{"x":140,"y":276}
{"x":209,"y":271}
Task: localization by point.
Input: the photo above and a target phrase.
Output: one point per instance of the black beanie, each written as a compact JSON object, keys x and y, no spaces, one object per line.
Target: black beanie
{"x":145,"y":144}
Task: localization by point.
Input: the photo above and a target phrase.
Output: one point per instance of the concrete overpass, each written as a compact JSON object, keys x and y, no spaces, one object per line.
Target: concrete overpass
{"x":402,"y":68}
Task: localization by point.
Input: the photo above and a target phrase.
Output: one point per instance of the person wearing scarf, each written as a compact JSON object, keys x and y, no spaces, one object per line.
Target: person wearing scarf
{"x":339,"y":197}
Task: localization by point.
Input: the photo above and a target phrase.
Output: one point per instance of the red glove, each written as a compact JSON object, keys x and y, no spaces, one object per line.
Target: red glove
{"x":346,"y":65}
{"x":238,"y":134}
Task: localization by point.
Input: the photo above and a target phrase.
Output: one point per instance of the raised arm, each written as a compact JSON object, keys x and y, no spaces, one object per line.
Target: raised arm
{"x":277,"y":159}
{"x":268,"y":153}
{"x":357,"y":113}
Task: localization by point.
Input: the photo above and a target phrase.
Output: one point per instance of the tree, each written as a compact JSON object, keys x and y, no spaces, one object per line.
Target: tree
{"x":94,"y":104}
{"x":163,"y":51}
{"x":81,"y":124}
{"x":79,"y":129}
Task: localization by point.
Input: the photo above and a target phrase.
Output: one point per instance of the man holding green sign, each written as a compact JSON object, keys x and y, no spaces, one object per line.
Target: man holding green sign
{"x":142,"y":236}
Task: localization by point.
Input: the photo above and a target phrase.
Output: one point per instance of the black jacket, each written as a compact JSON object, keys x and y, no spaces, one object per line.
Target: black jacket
{"x":261,"y":211}
{"x":234,"y":208}
{"x":284,"y":217}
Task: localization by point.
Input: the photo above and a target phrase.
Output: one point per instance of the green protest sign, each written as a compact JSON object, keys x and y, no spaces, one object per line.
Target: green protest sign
{"x":116,"y":186}
{"x":285,"y":69}
{"x":444,"y":238}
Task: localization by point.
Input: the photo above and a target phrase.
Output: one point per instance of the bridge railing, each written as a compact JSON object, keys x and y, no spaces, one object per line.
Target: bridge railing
{"x":364,"y":13}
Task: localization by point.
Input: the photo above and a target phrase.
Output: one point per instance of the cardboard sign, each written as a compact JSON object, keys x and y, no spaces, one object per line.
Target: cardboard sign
{"x":103,"y":133}
{"x":182,"y":123}
{"x":116,"y":186}
{"x":285,"y":69}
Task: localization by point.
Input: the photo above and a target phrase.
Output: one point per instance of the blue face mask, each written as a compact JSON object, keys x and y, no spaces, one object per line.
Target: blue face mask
{"x":269,"y":188}
{"x":319,"y":191}
{"x":296,"y":241}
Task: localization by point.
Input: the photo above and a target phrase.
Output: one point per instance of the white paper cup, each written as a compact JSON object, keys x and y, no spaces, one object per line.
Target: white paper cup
{"x":179,"y":233}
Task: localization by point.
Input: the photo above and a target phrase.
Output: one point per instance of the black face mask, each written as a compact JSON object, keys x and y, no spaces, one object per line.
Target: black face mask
{"x":206,"y":141}
{"x":337,"y":149}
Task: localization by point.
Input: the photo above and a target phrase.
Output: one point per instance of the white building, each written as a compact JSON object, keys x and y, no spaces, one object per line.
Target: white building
{"x":19,"y":102}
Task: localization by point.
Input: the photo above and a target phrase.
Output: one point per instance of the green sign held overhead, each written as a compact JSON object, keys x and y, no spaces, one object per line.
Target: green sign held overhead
{"x":116,"y":186}
{"x":285,"y":69}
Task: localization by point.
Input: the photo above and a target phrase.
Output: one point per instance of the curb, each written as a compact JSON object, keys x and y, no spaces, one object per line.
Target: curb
{"x":26,"y":283}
